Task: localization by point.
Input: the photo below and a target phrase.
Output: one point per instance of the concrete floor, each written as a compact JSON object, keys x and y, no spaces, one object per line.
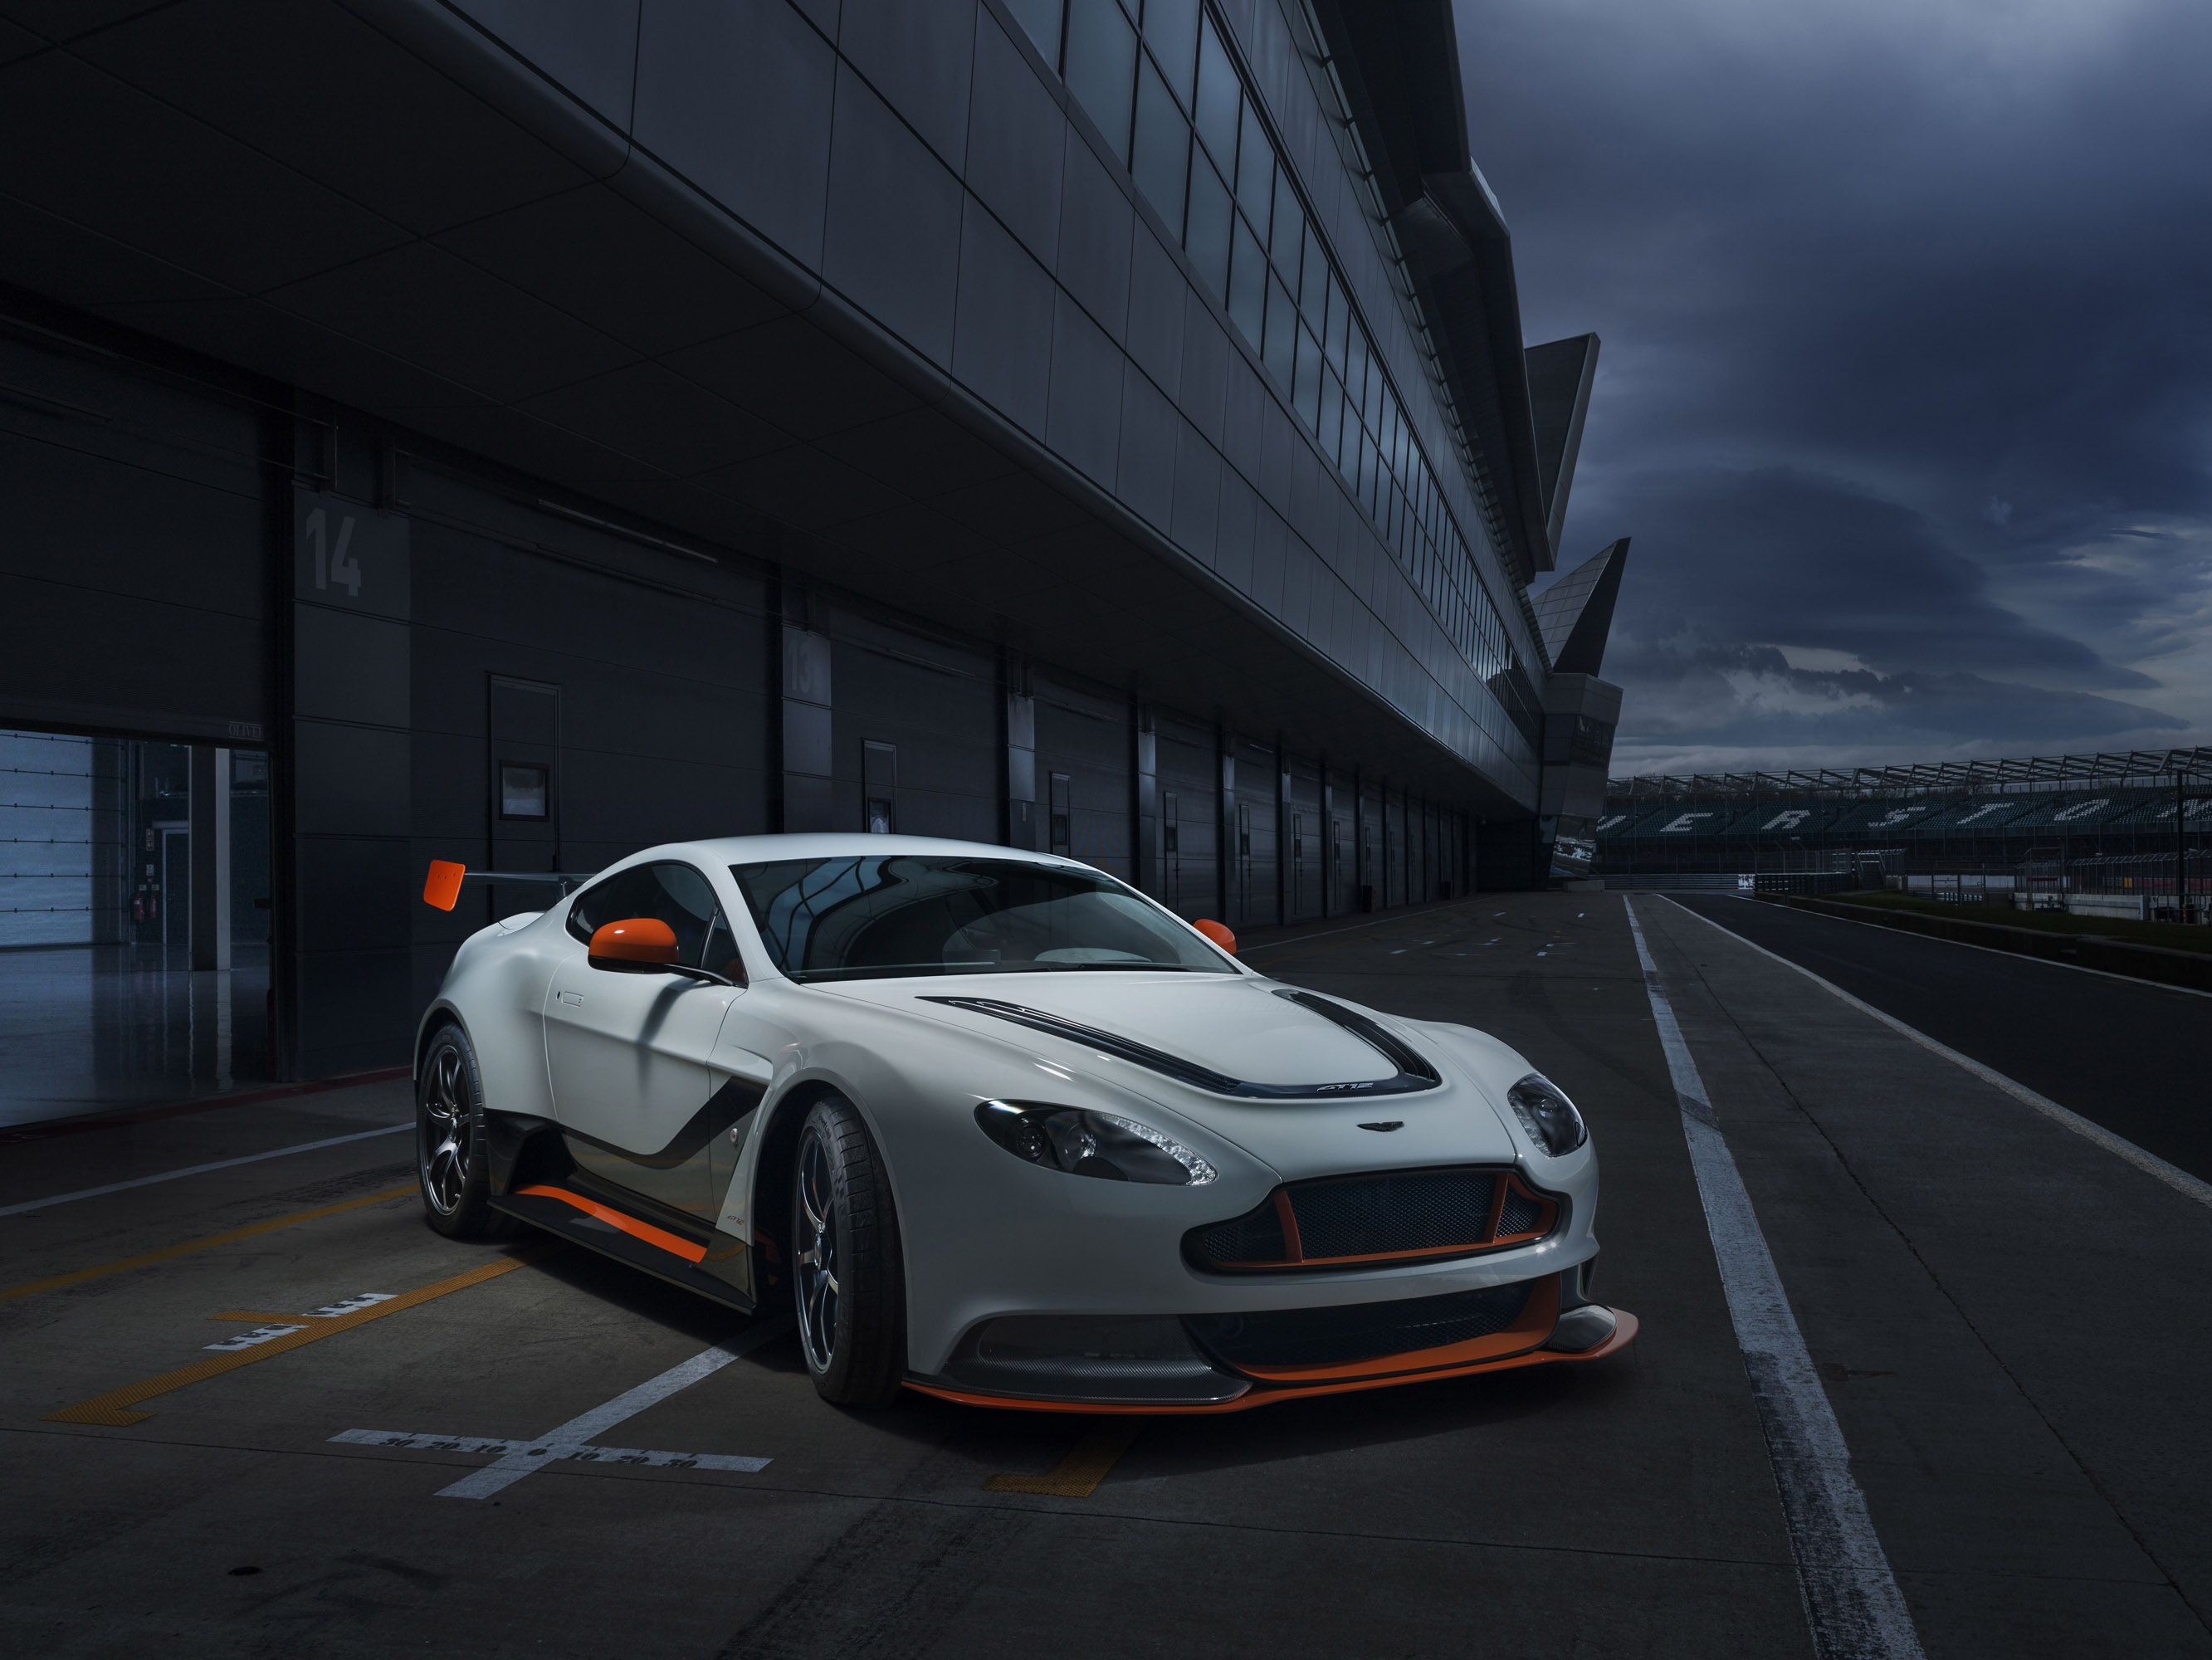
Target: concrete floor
{"x":2008,"y":1320}
{"x":2023,"y":1016}
{"x":89,"y":1028}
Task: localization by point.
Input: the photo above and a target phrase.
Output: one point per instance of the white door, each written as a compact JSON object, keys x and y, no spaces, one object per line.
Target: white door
{"x":627,"y":1053}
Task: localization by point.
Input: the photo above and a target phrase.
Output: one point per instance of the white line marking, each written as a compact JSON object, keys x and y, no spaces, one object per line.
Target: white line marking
{"x":2144,"y":1160}
{"x":1322,"y":933}
{"x":367,"y":1299}
{"x":246,"y":1340}
{"x":1851,"y":1599}
{"x":574,"y":1437}
{"x":197,"y":1169}
{"x":680,"y":1460}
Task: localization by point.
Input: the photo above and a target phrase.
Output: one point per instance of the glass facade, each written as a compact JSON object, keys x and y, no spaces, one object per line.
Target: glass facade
{"x":1160,"y":81}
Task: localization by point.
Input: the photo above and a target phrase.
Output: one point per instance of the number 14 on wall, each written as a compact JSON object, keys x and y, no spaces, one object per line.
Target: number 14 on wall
{"x":332,"y":563}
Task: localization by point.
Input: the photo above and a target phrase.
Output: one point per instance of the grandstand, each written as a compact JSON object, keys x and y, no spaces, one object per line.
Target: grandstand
{"x":2087,"y":825}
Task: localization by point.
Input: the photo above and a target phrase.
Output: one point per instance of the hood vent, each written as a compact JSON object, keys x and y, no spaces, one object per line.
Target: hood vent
{"x":1413,"y":1071}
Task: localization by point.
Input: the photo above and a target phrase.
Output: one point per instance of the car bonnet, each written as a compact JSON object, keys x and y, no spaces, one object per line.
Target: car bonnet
{"x":1233,"y":1036}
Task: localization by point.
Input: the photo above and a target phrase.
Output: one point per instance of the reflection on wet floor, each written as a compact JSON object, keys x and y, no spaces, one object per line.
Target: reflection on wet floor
{"x":92,"y":1028}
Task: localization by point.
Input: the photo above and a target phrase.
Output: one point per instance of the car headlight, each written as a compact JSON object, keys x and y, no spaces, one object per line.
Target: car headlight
{"x":1091,"y":1143}
{"x":1546,"y":1113}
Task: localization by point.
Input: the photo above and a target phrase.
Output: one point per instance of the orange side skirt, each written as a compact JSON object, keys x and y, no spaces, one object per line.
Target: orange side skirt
{"x":660,"y":1237}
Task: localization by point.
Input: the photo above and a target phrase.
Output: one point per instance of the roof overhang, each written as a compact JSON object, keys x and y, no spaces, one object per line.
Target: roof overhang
{"x":1399,"y":60}
{"x":554,"y":303}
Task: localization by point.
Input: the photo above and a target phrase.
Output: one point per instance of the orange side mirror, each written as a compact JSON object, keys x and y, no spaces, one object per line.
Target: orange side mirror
{"x":1217,"y":933}
{"x":634,"y":944}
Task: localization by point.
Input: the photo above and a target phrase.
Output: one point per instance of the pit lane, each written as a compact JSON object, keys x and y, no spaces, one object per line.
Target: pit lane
{"x":1996,"y":1309}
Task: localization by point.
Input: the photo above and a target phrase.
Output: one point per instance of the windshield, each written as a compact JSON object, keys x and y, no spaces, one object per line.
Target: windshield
{"x":857,"y":918}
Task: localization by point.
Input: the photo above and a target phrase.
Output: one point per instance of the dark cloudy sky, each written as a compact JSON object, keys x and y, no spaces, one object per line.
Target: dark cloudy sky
{"x":1906,"y":389}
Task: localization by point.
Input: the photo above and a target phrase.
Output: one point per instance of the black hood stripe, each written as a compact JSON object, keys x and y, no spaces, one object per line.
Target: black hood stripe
{"x":1413,"y":1073}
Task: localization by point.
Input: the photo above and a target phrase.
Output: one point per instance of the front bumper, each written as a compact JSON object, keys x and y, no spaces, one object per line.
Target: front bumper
{"x":1230,"y":1363}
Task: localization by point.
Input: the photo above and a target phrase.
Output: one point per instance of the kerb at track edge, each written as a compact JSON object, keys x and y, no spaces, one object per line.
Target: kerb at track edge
{"x":1851,"y":1599}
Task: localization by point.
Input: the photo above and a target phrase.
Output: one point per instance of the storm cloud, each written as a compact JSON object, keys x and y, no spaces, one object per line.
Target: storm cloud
{"x":1907,"y":391}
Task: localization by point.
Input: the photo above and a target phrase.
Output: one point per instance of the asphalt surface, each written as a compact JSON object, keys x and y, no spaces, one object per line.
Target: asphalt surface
{"x":2134,"y":1057}
{"x":1997,"y":1309}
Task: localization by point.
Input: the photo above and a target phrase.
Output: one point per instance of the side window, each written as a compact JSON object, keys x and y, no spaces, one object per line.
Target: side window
{"x":672,"y":893}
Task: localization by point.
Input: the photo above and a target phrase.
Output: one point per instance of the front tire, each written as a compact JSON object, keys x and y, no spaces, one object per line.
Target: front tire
{"x":849,"y":1273}
{"x":450,"y":1155}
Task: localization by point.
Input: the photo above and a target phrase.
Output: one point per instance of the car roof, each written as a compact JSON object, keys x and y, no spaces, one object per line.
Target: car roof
{"x":835,"y":844}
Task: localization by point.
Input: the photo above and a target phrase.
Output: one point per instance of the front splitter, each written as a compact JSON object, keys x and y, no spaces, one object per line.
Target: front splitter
{"x":1623,"y":1334}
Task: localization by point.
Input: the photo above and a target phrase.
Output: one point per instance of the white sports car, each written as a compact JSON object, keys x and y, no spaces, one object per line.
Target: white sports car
{"x":1001,"y":1128}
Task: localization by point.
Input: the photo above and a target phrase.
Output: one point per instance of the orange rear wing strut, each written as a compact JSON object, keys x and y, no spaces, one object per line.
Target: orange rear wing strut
{"x":442,"y":888}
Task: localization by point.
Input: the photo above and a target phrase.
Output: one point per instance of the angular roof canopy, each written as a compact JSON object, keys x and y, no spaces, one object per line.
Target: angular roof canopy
{"x":1559,"y":376}
{"x":1575,"y":614}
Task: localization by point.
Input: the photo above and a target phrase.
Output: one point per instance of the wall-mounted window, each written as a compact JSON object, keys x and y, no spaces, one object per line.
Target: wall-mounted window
{"x":524,"y":791}
{"x":1158,"y":79}
{"x":1592,"y":743}
{"x":879,"y":788}
{"x":1062,"y":816}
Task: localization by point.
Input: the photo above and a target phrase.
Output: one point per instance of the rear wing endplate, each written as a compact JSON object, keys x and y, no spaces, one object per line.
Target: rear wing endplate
{"x":442,"y":888}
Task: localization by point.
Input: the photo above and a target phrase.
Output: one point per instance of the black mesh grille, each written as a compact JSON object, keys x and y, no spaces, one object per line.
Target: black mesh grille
{"x":1321,"y":1337}
{"x":1254,"y":1237}
{"x":1519,"y":1214}
{"x":1375,"y":1215}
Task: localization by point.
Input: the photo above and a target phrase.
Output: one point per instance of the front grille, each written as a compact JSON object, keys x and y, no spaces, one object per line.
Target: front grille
{"x":1405,"y":1211}
{"x":1371,"y":1220}
{"x":1254,"y":1237}
{"x":1283,"y":1338}
{"x":1520,"y":1214}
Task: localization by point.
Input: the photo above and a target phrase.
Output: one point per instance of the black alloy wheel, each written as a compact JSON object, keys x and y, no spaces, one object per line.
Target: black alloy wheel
{"x":848,"y":1281}
{"x":449,"y":1142}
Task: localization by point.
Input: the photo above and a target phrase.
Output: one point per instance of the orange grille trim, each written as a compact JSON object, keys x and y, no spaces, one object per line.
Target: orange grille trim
{"x":1286,"y":1212}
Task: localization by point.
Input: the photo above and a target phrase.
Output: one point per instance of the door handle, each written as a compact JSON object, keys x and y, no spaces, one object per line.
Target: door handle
{"x":575,"y":997}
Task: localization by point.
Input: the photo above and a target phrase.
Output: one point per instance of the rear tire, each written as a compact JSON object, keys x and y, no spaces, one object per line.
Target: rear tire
{"x":848,"y":1272}
{"x":451,"y":1157}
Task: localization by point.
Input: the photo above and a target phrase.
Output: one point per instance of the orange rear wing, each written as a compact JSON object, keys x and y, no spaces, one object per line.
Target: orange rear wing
{"x":442,"y":887}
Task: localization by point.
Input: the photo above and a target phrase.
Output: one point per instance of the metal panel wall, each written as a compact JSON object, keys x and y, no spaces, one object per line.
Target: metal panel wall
{"x":135,"y":573}
{"x":1083,"y":737}
{"x":1188,"y":775}
{"x":660,"y":729}
{"x":937,"y":705}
